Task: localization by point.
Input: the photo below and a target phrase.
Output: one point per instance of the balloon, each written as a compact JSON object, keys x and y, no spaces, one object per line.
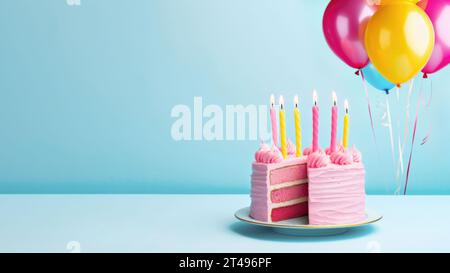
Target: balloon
{"x":420,"y":3}
{"x":387,"y":2}
{"x":344,"y":22}
{"x":399,"y":40}
{"x":375,"y":79}
{"x":439,"y":13}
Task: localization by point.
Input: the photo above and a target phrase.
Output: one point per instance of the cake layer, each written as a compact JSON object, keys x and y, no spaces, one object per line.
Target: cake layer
{"x":336,"y":194}
{"x":288,"y":173}
{"x":261,"y":188}
{"x":289,"y":193}
{"x":288,"y":212}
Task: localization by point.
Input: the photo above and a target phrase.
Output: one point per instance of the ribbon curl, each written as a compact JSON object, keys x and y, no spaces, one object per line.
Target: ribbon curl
{"x":416,"y":120}
{"x":369,"y":107}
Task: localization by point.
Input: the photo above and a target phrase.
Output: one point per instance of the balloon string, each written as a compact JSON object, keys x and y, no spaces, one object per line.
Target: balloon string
{"x":408,"y":169}
{"x":425,"y":139}
{"x":427,"y":106}
{"x":391,"y":134}
{"x":369,"y":108}
{"x":402,"y":143}
{"x":410,"y":155}
{"x":398,"y":165}
{"x":407,"y":114}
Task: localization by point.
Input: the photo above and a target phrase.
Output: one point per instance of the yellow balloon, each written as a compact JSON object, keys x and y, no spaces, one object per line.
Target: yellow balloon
{"x":399,"y":40}
{"x":387,"y":2}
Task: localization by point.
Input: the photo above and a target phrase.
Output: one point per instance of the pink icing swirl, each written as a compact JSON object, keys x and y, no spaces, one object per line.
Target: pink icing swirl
{"x":341,"y":158}
{"x":267,"y":155}
{"x":339,"y":148}
{"x":307,"y":151}
{"x":264,"y":148}
{"x":356,"y":154}
{"x":318,"y":160}
{"x":291,"y":150}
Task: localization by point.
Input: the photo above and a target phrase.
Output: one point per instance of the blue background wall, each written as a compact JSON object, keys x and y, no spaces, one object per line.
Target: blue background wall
{"x":86,"y":94}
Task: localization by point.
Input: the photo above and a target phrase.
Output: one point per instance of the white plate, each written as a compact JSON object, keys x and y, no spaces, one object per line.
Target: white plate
{"x":299,"y":226}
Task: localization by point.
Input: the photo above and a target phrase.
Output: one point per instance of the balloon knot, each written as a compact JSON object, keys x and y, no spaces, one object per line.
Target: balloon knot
{"x":357,"y":73}
{"x":387,"y":92}
{"x":399,"y":85}
{"x":425,"y":75}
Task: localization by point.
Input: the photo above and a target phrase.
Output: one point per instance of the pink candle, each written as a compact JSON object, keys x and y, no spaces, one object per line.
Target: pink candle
{"x":315,"y":113}
{"x":273,"y":120}
{"x":334,"y":117}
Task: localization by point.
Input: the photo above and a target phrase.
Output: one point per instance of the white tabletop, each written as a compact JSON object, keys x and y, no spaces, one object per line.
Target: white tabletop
{"x":204,"y":223}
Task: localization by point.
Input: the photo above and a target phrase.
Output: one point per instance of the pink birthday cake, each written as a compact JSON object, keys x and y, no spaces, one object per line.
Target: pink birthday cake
{"x":326,"y":186}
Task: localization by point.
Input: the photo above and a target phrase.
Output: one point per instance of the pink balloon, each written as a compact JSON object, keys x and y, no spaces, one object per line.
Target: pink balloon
{"x":344,"y":23}
{"x":439,"y":13}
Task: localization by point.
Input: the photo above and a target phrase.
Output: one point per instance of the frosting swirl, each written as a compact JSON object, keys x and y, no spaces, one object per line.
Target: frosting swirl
{"x":267,"y":155}
{"x":339,"y":148}
{"x":356,"y":154}
{"x":307,"y":151}
{"x":264,"y":148}
{"x":291,"y":150}
{"x":341,"y":158}
{"x":318,"y":160}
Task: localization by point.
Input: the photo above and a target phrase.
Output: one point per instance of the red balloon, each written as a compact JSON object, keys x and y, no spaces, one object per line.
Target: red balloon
{"x":439,"y":13}
{"x":344,"y":23}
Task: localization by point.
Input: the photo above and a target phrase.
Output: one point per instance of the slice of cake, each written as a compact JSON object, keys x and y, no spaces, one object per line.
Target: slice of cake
{"x":279,"y":188}
{"x":336,"y":188}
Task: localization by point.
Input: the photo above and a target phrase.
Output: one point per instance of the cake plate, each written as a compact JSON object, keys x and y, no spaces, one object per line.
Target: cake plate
{"x":300,"y":227}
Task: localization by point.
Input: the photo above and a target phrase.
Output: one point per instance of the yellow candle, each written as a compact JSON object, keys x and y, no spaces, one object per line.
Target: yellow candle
{"x":298,"y":129}
{"x":346,"y":121}
{"x":282,"y":129}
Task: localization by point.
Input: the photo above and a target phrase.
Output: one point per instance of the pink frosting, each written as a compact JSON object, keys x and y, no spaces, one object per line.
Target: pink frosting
{"x":336,"y":194}
{"x":318,"y":160}
{"x":267,"y":155}
{"x":307,"y":151}
{"x":339,"y":147}
{"x":356,"y":154}
{"x":291,"y":150}
{"x":341,"y":158}
{"x":264,"y":148}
